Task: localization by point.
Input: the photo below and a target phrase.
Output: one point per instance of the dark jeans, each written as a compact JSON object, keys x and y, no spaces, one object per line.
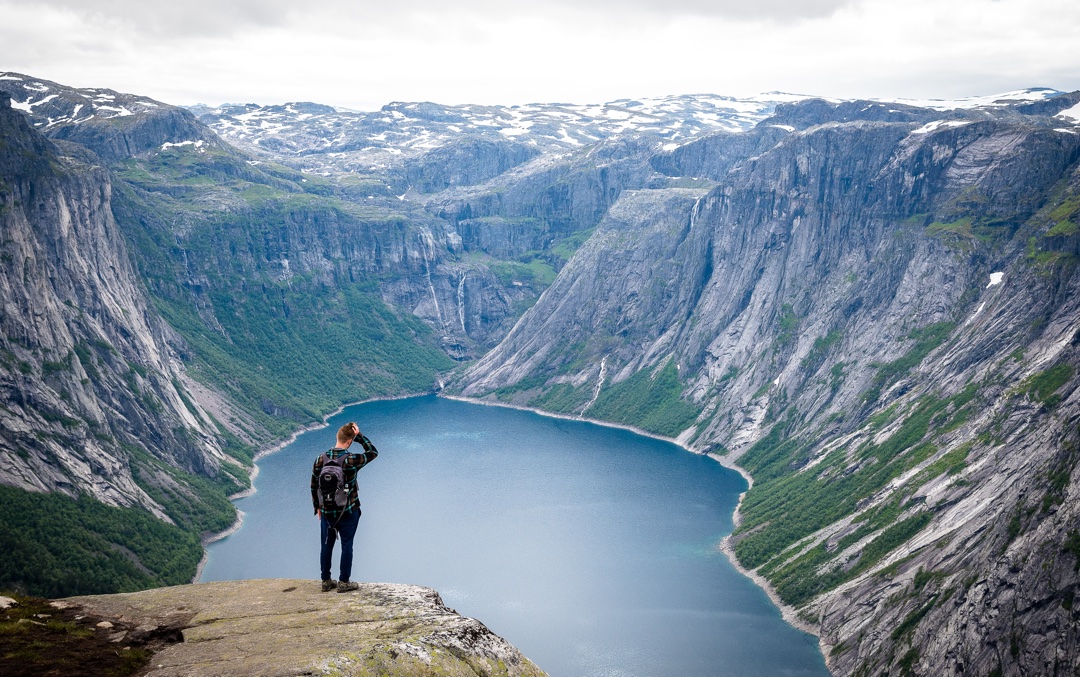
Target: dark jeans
{"x":346,"y":527}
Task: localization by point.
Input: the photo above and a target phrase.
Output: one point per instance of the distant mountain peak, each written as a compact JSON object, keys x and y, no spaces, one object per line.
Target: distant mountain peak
{"x":52,"y":105}
{"x":325,"y":138}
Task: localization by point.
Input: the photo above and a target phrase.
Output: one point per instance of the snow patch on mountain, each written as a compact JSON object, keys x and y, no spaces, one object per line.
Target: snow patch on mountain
{"x":52,"y":105}
{"x":971,"y":102}
{"x":1072,"y":113}
{"x":330,"y":139}
{"x":940,"y":124}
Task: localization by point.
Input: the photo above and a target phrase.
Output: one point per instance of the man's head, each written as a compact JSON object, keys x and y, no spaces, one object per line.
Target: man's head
{"x":347,"y":433}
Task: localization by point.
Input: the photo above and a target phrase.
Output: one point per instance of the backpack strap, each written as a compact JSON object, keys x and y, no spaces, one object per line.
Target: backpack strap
{"x":339,"y":460}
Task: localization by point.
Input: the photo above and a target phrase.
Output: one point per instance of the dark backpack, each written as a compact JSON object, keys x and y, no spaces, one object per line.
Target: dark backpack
{"x":333,"y":493}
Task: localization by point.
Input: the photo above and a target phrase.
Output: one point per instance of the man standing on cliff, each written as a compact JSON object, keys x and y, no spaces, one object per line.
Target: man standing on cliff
{"x":340,"y":519}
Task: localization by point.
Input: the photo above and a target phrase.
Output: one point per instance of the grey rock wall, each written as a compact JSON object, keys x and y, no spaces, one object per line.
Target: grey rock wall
{"x":87,"y":372}
{"x":781,"y":271}
{"x":785,"y":289}
{"x":465,"y":162}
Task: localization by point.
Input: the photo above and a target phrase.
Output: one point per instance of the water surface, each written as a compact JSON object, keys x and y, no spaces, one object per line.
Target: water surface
{"x":591,"y":549}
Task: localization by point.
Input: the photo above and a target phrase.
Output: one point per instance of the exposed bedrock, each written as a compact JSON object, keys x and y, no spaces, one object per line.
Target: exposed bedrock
{"x":88,"y":372}
{"x":838,"y":286}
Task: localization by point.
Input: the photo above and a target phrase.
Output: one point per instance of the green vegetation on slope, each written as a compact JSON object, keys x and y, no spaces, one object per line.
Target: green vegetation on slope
{"x":1056,"y":248}
{"x":193,"y":502}
{"x":1065,"y":217}
{"x":1045,"y":384}
{"x":54,"y":546}
{"x":287,"y":347}
{"x":799,"y":581}
{"x":294,"y":358}
{"x":788,"y":503}
{"x":562,"y":398}
{"x":650,"y":400}
{"x":926,"y":340}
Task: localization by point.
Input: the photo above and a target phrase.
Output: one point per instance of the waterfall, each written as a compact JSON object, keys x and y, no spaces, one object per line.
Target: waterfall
{"x":429,"y":255}
{"x":434,"y":298}
{"x":461,"y":302}
{"x":599,"y":384}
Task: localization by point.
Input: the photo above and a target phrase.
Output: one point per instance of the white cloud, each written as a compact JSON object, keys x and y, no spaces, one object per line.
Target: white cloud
{"x":362,"y":55}
{"x":168,"y":19}
{"x":224,"y":17}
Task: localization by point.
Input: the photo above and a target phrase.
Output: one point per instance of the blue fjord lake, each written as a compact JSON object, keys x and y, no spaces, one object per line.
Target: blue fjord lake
{"x":592,"y":549}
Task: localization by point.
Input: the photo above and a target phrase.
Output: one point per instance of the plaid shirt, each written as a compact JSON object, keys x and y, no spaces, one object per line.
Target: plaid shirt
{"x":353,"y":463}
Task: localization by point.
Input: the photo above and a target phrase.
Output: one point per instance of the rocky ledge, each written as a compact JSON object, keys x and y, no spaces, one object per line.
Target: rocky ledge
{"x":290,"y":627}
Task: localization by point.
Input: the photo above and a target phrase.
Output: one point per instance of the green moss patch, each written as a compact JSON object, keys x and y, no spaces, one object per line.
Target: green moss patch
{"x":926,"y":340}
{"x":957,"y":233}
{"x":1044,"y":385}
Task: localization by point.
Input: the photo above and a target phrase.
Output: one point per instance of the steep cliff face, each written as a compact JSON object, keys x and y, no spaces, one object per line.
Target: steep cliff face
{"x":94,"y":396}
{"x":465,"y":162}
{"x":871,"y":307}
{"x":242,"y":256}
{"x":873,"y":315}
{"x":648,"y":236}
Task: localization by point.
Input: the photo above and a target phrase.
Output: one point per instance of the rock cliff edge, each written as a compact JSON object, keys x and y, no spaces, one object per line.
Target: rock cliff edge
{"x":289,"y":627}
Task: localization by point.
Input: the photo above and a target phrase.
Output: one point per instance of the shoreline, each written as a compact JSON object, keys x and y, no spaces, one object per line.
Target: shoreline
{"x":788,"y":613}
{"x":253,"y":473}
{"x":568,"y":417}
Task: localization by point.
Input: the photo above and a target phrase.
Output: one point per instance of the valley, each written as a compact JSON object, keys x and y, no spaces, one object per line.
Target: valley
{"x":869,"y":306}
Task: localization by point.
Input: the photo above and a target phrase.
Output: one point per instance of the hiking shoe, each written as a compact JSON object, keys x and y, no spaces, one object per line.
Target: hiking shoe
{"x":347,"y":586}
{"x":329,"y":585}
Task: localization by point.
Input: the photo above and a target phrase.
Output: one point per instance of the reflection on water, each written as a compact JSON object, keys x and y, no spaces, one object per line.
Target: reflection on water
{"x":591,"y":549}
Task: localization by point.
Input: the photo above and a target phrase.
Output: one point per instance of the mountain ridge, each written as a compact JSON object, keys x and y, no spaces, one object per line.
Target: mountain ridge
{"x":816,"y":290}
{"x":867,"y":305}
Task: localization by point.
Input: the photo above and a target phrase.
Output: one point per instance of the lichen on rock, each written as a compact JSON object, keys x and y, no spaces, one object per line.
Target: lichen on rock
{"x":290,"y":627}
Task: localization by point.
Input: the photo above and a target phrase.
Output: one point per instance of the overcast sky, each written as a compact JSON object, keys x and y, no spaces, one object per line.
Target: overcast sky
{"x":362,"y":54}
